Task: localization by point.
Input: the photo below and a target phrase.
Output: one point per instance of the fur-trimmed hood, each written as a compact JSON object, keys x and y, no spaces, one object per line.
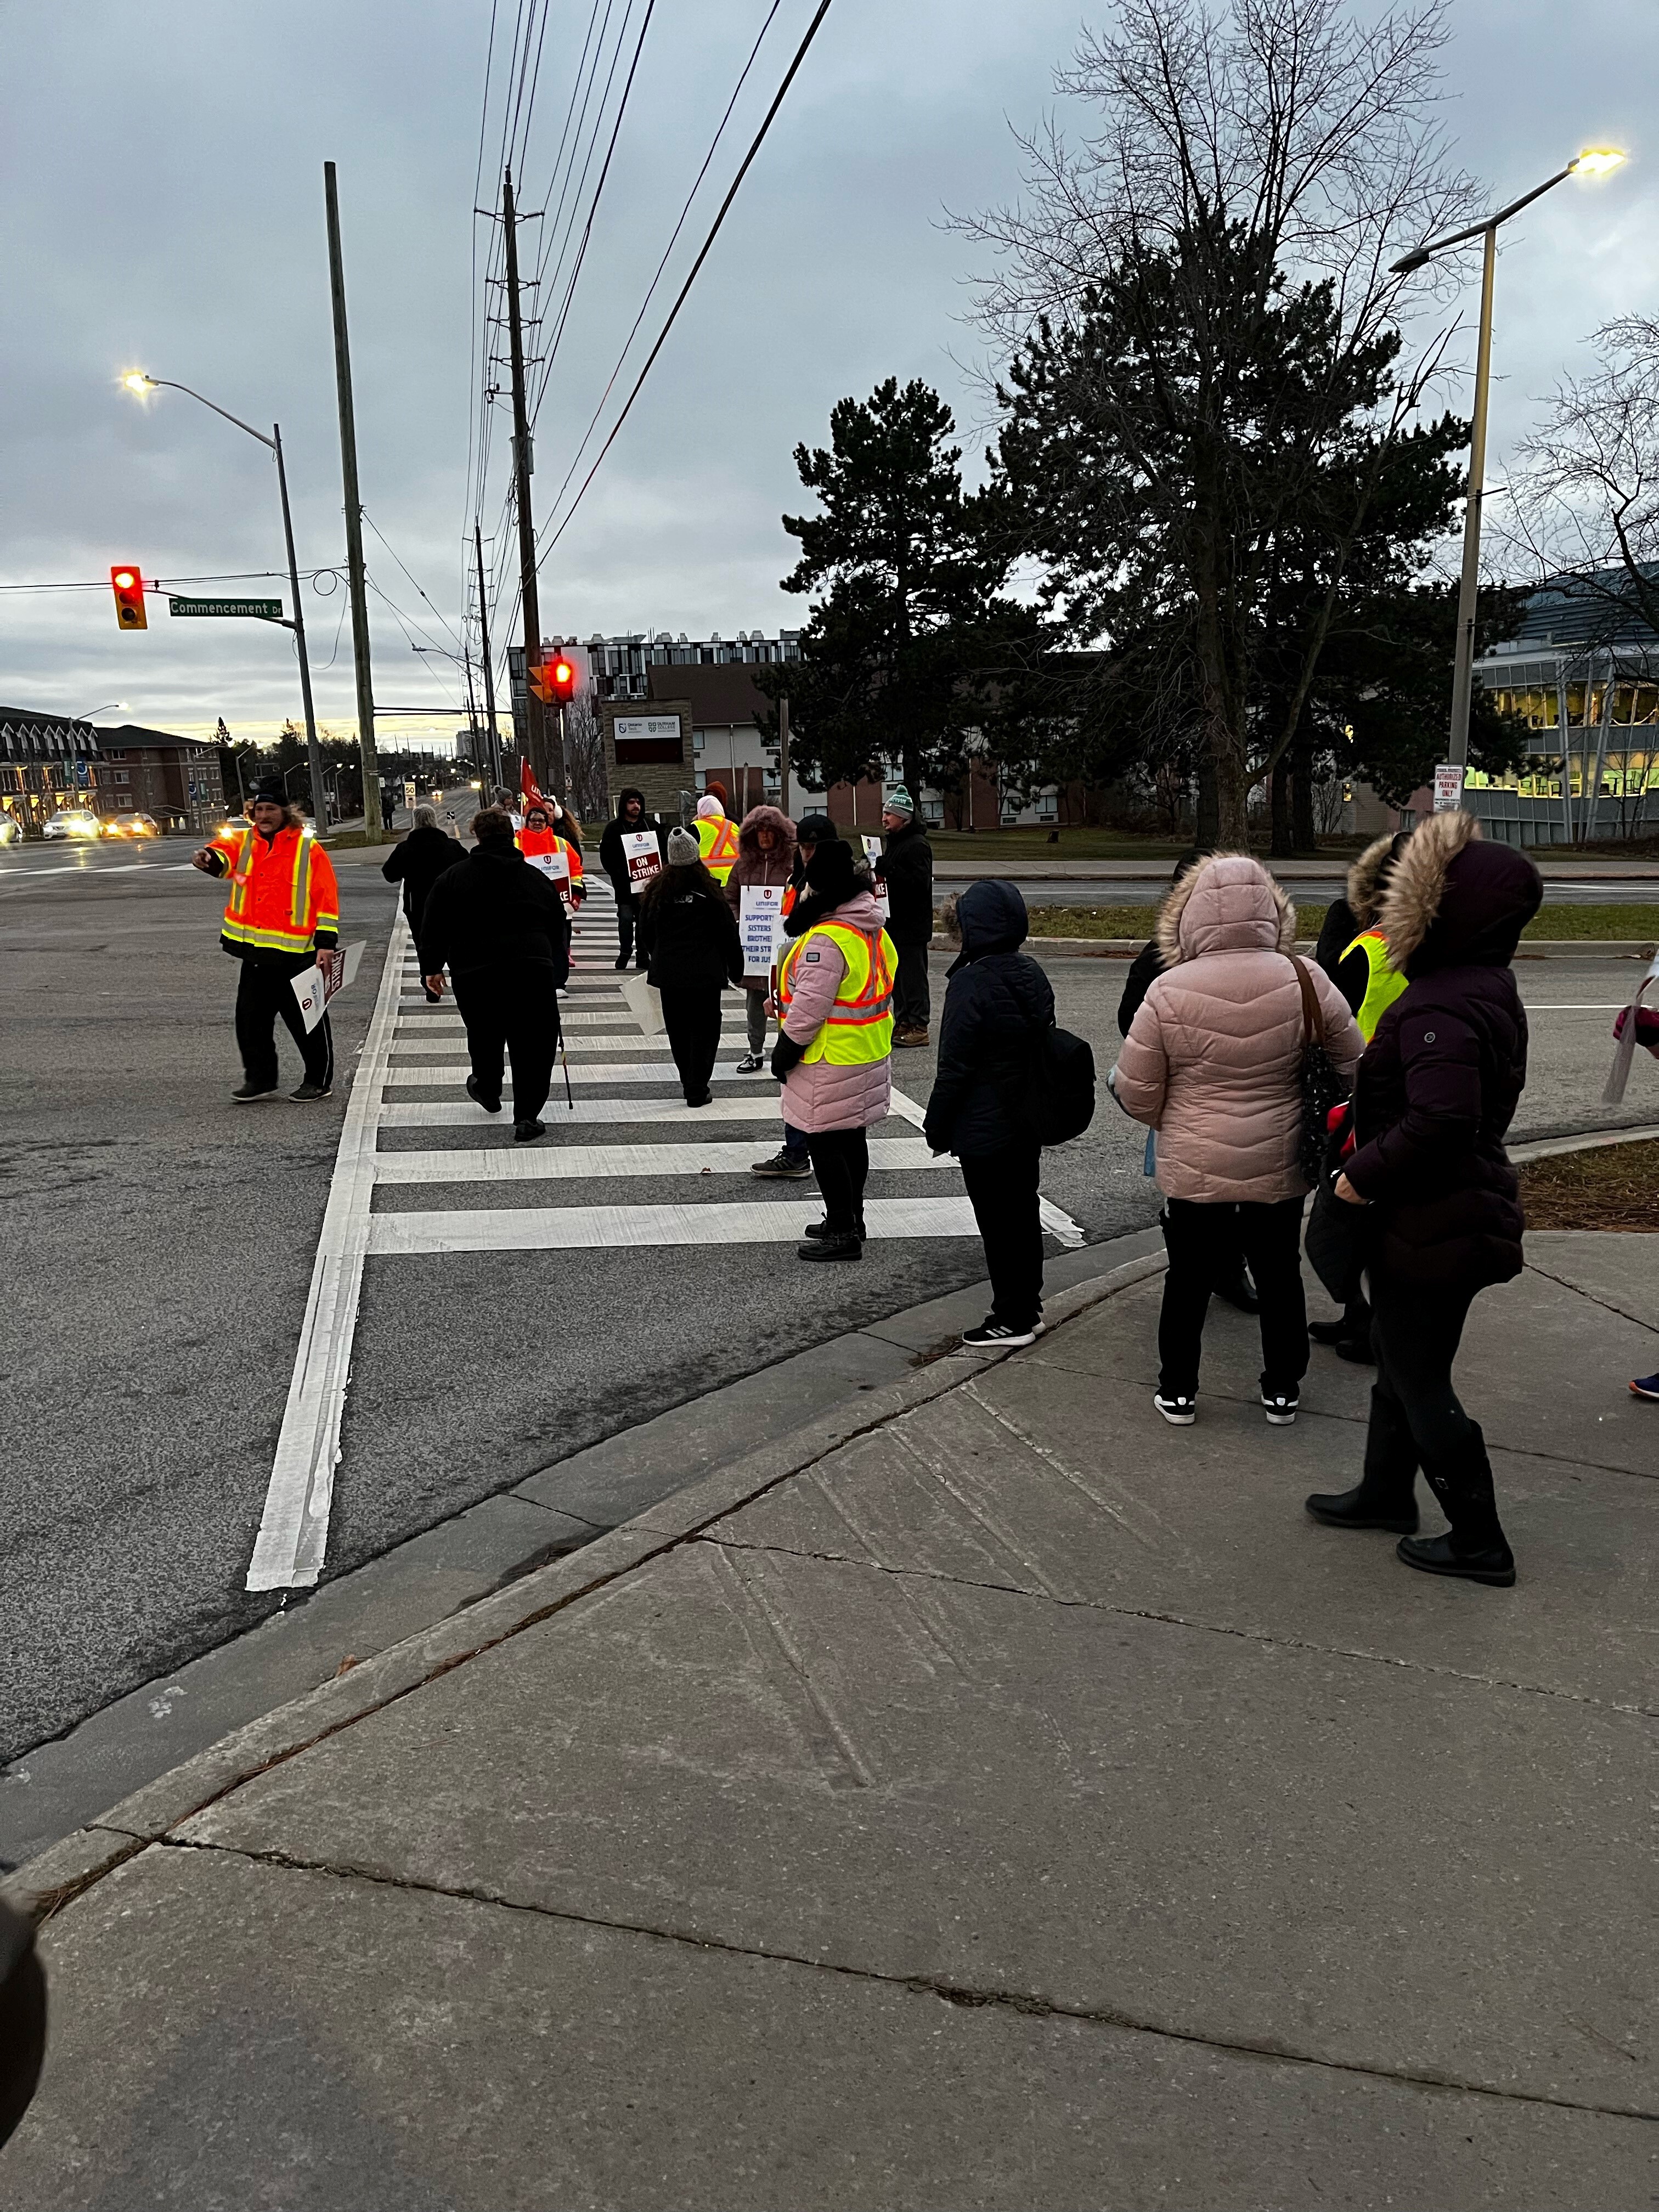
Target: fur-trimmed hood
{"x":1369,"y":876}
{"x":766,"y":818}
{"x":1227,"y":903}
{"x":1454,"y":901}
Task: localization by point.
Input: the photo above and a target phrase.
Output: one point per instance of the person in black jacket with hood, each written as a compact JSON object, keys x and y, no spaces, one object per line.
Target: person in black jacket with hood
{"x":906,"y":867}
{"x":689,"y":934}
{"x":997,"y":1003}
{"x":1436,"y":1090}
{"x":418,"y":861}
{"x":630,"y":816}
{"x":501,"y":930}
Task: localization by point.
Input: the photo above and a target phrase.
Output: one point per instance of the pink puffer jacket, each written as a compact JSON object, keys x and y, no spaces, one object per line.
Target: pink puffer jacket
{"x":821,"y":1095}
{"x":1213,"y":1060}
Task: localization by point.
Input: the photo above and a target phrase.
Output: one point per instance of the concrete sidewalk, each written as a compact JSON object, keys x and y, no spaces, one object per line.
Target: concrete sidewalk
{"x":988,"y":1796}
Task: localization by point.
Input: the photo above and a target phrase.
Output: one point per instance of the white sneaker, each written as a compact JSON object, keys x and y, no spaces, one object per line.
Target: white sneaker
{"x":1282,"y":1408}
{"x":1180,"y":1412}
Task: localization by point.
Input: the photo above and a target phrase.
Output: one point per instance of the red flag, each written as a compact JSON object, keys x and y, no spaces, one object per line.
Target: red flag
{"x":530,"y":795}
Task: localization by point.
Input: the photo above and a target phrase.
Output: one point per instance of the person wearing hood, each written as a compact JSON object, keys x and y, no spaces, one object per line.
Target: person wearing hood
{"x":906,"y":867}
{"x":689,"y":936}
{"x":791,"y":1163}
{"x":1212,"y":1061}
{"x":501,"y":930}
{"x":1438,"y":1089}
{"x":834,"y":1052}
{"x":766,"y":854}
{"x":717,"y":836}
{"x":418,"y":861}
{"x":629,"y":818}
{"x":997,"y":1003}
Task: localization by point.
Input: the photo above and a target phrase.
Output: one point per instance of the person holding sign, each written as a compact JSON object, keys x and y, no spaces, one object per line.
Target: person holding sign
{"x":759,"y":878}
{"x":689,"y":936}
{"x":630,"y":852}
{"x":283,"y":916}
{"x":557,"y":857}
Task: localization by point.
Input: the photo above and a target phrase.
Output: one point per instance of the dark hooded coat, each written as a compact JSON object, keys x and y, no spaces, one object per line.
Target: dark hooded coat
{"x":907,"y":869}
{"x":417,"y":862}
{"x":754,"y":867}
{"x":1440,"y":1080}
{"x":997,"y":1000}
{"x":1344,"y":918}
{"x":612,"y":859}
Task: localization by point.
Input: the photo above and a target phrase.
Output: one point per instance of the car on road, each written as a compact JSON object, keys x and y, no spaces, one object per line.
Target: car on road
{"x":70,"y":822}
{"x":131,"y":825}
{"x":11,"y":830}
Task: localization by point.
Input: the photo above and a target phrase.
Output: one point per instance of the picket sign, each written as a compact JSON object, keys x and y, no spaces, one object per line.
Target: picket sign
{"x":644,"y":1003}
{"x":642,"y":856}
{"x":760,"y":920}
{"x":1625,"y":1051}
{"x":873,"y":854}
{"x":314,"y":994}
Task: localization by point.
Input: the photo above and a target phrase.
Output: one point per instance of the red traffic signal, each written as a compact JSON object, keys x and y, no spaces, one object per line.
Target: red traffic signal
{"x":564,"y":681}
{"x":127,"y":582}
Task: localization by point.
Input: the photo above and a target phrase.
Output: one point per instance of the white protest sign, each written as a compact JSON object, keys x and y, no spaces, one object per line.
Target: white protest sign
{"x":642,"y":856}
{"x":555,"y":866}
{"x":314,"y":994}
{"x":760,"y":918}
{"x":1625,"y":1051}
{"x":644,"y":1003}
{"x":873,"y":854}
{"x":1448,"y":788}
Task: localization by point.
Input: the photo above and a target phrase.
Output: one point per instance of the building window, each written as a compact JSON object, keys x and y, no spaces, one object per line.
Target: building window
{"x":119,"y":775}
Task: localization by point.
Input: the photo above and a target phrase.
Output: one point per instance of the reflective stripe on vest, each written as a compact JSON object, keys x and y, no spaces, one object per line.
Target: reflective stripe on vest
{"x":1384,"y":982}
{"x":858,"y":1027}
{"x":263,"y":932}
{"x":720,"y":854}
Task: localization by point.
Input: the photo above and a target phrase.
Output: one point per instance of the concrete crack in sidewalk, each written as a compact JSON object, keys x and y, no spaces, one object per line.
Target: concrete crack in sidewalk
{"x":1642,"y":1320}
{"x":1046,"y":1595}
{"x":1026,"y":2004}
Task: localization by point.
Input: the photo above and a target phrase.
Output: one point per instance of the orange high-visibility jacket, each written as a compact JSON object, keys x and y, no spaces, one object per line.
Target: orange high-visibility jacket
{"x":283,"y":897}
{"x":534,"y":842}
{"x":717,"y":837}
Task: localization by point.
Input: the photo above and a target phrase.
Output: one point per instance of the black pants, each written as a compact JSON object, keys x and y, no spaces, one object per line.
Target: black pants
{"x":691,"y":1015}
{"x":512,"y":1010}
{"x":1197,"y":1234}
{"x":1003,"y":1187}
{"x":626,"y":910}
{"x":1416,"y":1418}
{"x":265,"y":990}
{"x":840,"y":1161}
{"x":910,"y":1001}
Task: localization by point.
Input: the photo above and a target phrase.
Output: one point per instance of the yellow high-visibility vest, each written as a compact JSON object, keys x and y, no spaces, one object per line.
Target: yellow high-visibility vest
{"x":1384,"y":982}
{"x":860,"y":1025}
{"x":717,"y":841}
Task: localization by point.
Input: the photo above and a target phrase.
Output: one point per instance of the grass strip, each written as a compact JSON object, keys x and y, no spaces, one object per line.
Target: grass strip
{"x":1615,"y":1187}
{"x":1634,"y":925}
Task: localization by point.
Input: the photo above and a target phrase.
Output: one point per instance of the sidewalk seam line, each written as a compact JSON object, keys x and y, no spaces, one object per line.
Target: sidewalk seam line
{"x":961,"y":1994}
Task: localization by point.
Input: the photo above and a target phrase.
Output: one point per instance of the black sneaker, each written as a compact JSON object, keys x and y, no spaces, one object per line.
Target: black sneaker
{"x":822,"y":1229}
{"x":489,"y":1105}
{"x":528,"y":1132}
{"x":707,"y":1099}
{"x":830,"y":1248}
{"x":1178,"y":1411}
{"x":995,"y":1335}
{"x":244,"y":1092}
{"x":751,"y":1064}
{"x":793,"y":1167}
{"x":621,"y":963}
{"x":308,"y":1091}
{"x":1281,"y":1407}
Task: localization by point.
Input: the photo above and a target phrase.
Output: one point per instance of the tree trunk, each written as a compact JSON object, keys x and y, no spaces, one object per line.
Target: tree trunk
{"x":1305,"y":833}
{"x":1231,"y":792}
{"x":1283,"y":839}
{"x":1206,"y":834}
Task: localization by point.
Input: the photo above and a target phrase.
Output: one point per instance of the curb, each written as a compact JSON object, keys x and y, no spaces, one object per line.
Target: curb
{"x":1582,"y":1140}
{"x":66,"y":1868}
{"x":1122,"y":948}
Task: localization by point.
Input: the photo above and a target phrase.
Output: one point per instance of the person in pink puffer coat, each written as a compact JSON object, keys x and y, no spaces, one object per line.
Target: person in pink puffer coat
{"x":1213,"y":1062}
{"x":833,"y":1102}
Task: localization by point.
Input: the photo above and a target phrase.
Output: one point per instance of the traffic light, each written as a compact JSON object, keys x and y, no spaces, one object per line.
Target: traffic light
{"x":127,"y":583}
{"x":564,"y":681}
{"x":541,"y":682}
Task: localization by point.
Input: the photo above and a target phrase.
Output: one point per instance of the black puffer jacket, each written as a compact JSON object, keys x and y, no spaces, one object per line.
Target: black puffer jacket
{"x":493,"y":911}
{"x":690,"y":936}
{"x":1440,"y":1080}
{"x":996,"y":1002}
{"x":417,"y":863}
{"x":612,"y":859}
{"x":907,"y":869}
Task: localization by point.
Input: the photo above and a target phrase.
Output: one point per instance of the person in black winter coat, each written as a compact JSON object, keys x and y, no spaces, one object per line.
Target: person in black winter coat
{"x":1437,"y":1089}
{"x":997,"y":1001}
{"x":630,"y":816}
{"x":689,"y":935}
{"x":906,"y":867}
{"x":418,"y":861}
{"x":501,"y":930}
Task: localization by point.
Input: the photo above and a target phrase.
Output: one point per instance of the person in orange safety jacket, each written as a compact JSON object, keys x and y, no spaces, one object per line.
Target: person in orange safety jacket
{"x":282,"y":917}
{"x":541,"y":844}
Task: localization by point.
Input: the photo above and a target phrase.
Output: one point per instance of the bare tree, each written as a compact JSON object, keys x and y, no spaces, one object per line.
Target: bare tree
{"x":1205,"y":283}
{"x":584,"y":760}
{"x":1583,"y":511}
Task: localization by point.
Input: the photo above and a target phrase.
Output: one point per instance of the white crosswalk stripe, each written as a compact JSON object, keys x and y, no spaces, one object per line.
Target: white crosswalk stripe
{"x":392,"y":1206}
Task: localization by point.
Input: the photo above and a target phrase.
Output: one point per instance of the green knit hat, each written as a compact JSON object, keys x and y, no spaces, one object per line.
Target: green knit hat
{"x":899,"y":801}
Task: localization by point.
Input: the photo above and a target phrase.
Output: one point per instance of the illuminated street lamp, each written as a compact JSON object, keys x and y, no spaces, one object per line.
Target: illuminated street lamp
{"x":141,"y":385}
{"x":1594,"y":161}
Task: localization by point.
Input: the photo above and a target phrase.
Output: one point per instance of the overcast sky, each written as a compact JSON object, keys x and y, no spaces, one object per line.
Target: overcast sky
{"x":163,"y":207}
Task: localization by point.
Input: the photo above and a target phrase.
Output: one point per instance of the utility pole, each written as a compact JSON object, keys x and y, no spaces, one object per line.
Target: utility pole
{"x":783,"y":753}
{"x":491,"y":766}
{"x":374,"y":826}
{"x":313,"y":753}
{"x":542,"y":764}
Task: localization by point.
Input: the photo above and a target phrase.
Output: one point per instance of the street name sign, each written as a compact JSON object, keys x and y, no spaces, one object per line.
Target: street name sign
{"x":260,"y":610}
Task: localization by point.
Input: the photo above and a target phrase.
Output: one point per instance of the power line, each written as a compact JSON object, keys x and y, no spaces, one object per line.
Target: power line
{"x":714,"y":233}
{"x":391,"y":549}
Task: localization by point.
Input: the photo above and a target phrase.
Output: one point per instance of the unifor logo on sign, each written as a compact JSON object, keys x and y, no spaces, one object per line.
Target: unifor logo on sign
{"x":647,"y":738}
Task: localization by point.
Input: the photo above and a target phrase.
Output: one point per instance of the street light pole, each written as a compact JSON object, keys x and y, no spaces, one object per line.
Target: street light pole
{"x":139,"y":382}
{"x":1594,"y":161}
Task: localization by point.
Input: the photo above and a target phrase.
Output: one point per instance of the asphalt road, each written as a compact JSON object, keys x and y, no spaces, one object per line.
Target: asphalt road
{"x":159,"y":1242}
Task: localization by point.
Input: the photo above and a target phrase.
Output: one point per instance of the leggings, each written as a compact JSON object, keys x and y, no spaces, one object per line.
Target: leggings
{"x":840,"y":1161}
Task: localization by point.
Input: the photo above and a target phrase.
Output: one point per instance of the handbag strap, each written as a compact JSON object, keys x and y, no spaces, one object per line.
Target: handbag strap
{"x":1313,"y":1019}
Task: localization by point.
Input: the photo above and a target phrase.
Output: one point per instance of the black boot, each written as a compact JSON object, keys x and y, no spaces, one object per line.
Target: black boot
{"x":820,"y":1229}
{"x":1364,"y":1507}
{"x":840,"y":1246}
{"x":1475,"y":1547}
{"x":1383,"y":1498}
{"x":1439,"y":1555}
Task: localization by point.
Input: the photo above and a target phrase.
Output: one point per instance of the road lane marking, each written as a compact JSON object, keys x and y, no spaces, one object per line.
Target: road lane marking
{"x":573,"y":1163}
{"x":293,"y":1539}
{"x":612,"y":1228}
{"x":444,"y":1113}
{"x":458,"y":1071}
